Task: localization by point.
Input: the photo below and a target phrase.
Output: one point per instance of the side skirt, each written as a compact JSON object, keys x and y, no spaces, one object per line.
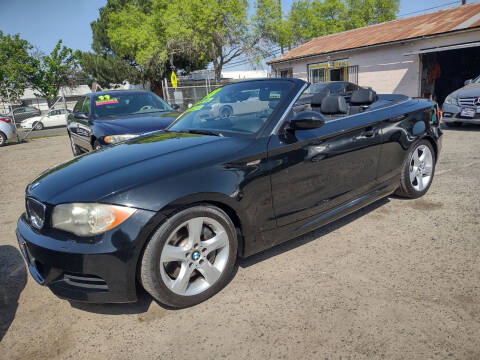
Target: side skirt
{"x":279,"y":235}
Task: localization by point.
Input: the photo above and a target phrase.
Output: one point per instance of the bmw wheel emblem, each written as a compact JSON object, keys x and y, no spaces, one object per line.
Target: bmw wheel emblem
{"x":195,"y":256}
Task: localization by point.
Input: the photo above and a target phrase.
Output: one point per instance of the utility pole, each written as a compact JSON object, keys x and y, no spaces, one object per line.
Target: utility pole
{"x":464,"y":2}
{"x":281,"y":17}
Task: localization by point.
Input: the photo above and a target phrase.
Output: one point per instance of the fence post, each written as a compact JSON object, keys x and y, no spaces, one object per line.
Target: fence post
{"x":13,"y":116}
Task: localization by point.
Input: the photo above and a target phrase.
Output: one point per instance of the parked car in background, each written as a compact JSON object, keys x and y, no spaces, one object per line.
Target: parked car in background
{"x":22,"y":113}
{"x":7,"y":130}
{"x":463,"y":105}
{"x":173,"y":210}
{"x":56,"y":117}
{"x":105,"y":118}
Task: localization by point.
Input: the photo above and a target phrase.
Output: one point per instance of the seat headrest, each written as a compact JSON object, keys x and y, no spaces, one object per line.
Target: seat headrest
{"x":317,"y":99}
{"x":363,"y":97}
{"x":334,"y":104}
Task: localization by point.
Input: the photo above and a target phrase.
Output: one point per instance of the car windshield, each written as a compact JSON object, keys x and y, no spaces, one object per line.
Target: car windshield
{"x":476,"y":80}
{"x":316,"y":88}
{"x":121,"y":104}
{"x":241,"y":108}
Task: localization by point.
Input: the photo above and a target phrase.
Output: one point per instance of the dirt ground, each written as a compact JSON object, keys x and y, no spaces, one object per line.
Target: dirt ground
{"x":397,"y":280}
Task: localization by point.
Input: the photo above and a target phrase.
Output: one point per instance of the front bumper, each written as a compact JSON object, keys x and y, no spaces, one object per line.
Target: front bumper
{"x":99,"y":270}
{"x":451,"y":114}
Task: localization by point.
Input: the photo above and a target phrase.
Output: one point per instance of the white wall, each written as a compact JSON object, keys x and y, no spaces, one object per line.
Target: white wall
{"x":385,"y":68}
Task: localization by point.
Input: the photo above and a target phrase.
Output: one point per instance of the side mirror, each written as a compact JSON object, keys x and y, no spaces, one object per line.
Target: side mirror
{"x":80,"y":116}
{"x":306,"y":120}
{"x":469,"y":81}
{"x":175,"y":106}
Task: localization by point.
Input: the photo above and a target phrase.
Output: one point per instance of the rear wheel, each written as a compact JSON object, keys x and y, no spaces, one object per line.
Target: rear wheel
{"x":3,"y":139}
{"x":418,"y":170}
{"x":190,"y":257}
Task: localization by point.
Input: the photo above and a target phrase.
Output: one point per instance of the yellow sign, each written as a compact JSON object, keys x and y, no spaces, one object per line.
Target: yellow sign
{"x":173,"y":79}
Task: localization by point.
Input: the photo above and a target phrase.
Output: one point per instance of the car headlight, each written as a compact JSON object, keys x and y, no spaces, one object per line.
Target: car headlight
{"x":112,"y":139}
{"x":88,"y":219}
{"x":451,"y":100}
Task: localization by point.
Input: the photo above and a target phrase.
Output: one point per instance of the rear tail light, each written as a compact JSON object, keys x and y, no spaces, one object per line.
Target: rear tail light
{"x":5,"y":120}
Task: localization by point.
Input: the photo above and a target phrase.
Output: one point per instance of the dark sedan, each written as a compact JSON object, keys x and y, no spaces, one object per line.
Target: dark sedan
{"x":174,"y":209}
{"x":105,"y":118}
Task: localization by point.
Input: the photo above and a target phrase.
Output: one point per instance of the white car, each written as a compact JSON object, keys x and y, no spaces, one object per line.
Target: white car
{"x":52,"y":118}
{"x":7,"y":130}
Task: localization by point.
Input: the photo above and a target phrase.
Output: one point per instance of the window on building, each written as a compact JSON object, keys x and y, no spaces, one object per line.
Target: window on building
{"x":338,"y":70}
{"x":286,"y":73}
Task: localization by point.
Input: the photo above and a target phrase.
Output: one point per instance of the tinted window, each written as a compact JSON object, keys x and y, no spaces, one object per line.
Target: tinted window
{"x":237,"y":108}
{"x":352,"y":87}
{"x":128,"y":103}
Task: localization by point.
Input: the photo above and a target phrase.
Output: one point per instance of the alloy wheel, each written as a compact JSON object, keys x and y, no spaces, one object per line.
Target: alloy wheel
{"x":421,"y":168}
{"x":194,"y":256}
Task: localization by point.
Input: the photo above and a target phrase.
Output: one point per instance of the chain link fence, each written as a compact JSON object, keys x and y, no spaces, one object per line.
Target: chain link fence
{"x":188,"y":93}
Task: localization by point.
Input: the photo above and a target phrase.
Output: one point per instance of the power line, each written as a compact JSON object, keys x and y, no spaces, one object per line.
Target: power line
{"x":431,"y":8}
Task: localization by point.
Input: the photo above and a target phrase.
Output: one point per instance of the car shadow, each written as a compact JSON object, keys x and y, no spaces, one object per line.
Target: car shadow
{"x":13,"y":278}
{"x":145,"y":300}
{"x":311,"y":236}
{"x":463,"y":127}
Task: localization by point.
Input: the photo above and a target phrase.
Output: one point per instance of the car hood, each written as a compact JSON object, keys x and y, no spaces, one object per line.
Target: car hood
{"x":135,"y":124}
{"x":470,"y":90}
{"x":147,"y":158}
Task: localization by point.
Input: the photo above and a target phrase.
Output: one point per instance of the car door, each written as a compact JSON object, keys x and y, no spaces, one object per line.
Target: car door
{"x":314,"y":171}
{"x":49,"y":119}
{"x":79,"y":127}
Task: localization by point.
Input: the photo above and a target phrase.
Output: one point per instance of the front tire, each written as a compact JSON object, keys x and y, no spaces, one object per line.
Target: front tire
{"x":38,"y":126}
{"x":190,"y":257}
{"x":418,"y":170}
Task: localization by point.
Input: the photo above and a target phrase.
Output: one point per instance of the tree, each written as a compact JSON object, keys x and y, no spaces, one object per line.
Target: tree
{"x":268,"y":22}
{"x":59,"y":68}
{"x":108,"y":69}
{"x":215,"y":29}
{"x":308,"y":19}
{"x":17,"y":67}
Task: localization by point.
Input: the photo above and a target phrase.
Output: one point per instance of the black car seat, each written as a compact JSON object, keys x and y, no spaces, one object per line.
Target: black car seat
{"x":361,"y":99}
{"x":333,"y":106}
{"x":316,"y":101}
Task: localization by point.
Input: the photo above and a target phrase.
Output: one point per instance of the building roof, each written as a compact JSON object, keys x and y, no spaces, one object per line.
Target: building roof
{"x":439,"y":22}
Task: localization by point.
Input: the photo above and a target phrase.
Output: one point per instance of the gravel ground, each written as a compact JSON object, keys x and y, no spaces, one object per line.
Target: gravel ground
{"x":399,"y":279}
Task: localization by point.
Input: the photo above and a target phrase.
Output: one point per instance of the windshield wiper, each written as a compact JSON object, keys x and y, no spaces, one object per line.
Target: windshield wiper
{"x":203,"y":132}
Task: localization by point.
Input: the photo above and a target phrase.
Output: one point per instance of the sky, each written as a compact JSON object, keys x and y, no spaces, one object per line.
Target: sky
{"x":44,"y":22}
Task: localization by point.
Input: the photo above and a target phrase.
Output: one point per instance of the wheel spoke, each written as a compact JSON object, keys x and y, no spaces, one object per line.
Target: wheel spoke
{"x":413,"y":173}
{"x":173,"y":253}
{"x":194,"y":231}
{"x":428,"y":170}
{"x":420,"y":181}
{"x":416,"y":159}
{"x":180,"y":284}
{"x":217,"y":242}
{"x":209,"y":272}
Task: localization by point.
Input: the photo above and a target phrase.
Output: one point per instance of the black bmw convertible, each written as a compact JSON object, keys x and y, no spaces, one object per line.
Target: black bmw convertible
{"x":173,"y":210}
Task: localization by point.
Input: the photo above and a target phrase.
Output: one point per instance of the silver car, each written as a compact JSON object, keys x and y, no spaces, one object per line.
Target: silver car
{"x":7,"y":130}
{"x":463,"y":105}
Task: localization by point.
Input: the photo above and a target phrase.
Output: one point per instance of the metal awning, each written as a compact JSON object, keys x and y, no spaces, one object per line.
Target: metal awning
{"x":444,"y":48}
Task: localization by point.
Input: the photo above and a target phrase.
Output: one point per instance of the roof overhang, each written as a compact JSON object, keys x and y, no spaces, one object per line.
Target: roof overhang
{"x":444,"y":48}
{"x":402,"y":41}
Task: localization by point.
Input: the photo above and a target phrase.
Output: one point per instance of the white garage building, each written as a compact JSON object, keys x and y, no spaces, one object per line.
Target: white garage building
{"x":427,"y":55}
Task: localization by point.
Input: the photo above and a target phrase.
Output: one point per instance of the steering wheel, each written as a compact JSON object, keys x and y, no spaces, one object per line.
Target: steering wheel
{"x":146,"y":107}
